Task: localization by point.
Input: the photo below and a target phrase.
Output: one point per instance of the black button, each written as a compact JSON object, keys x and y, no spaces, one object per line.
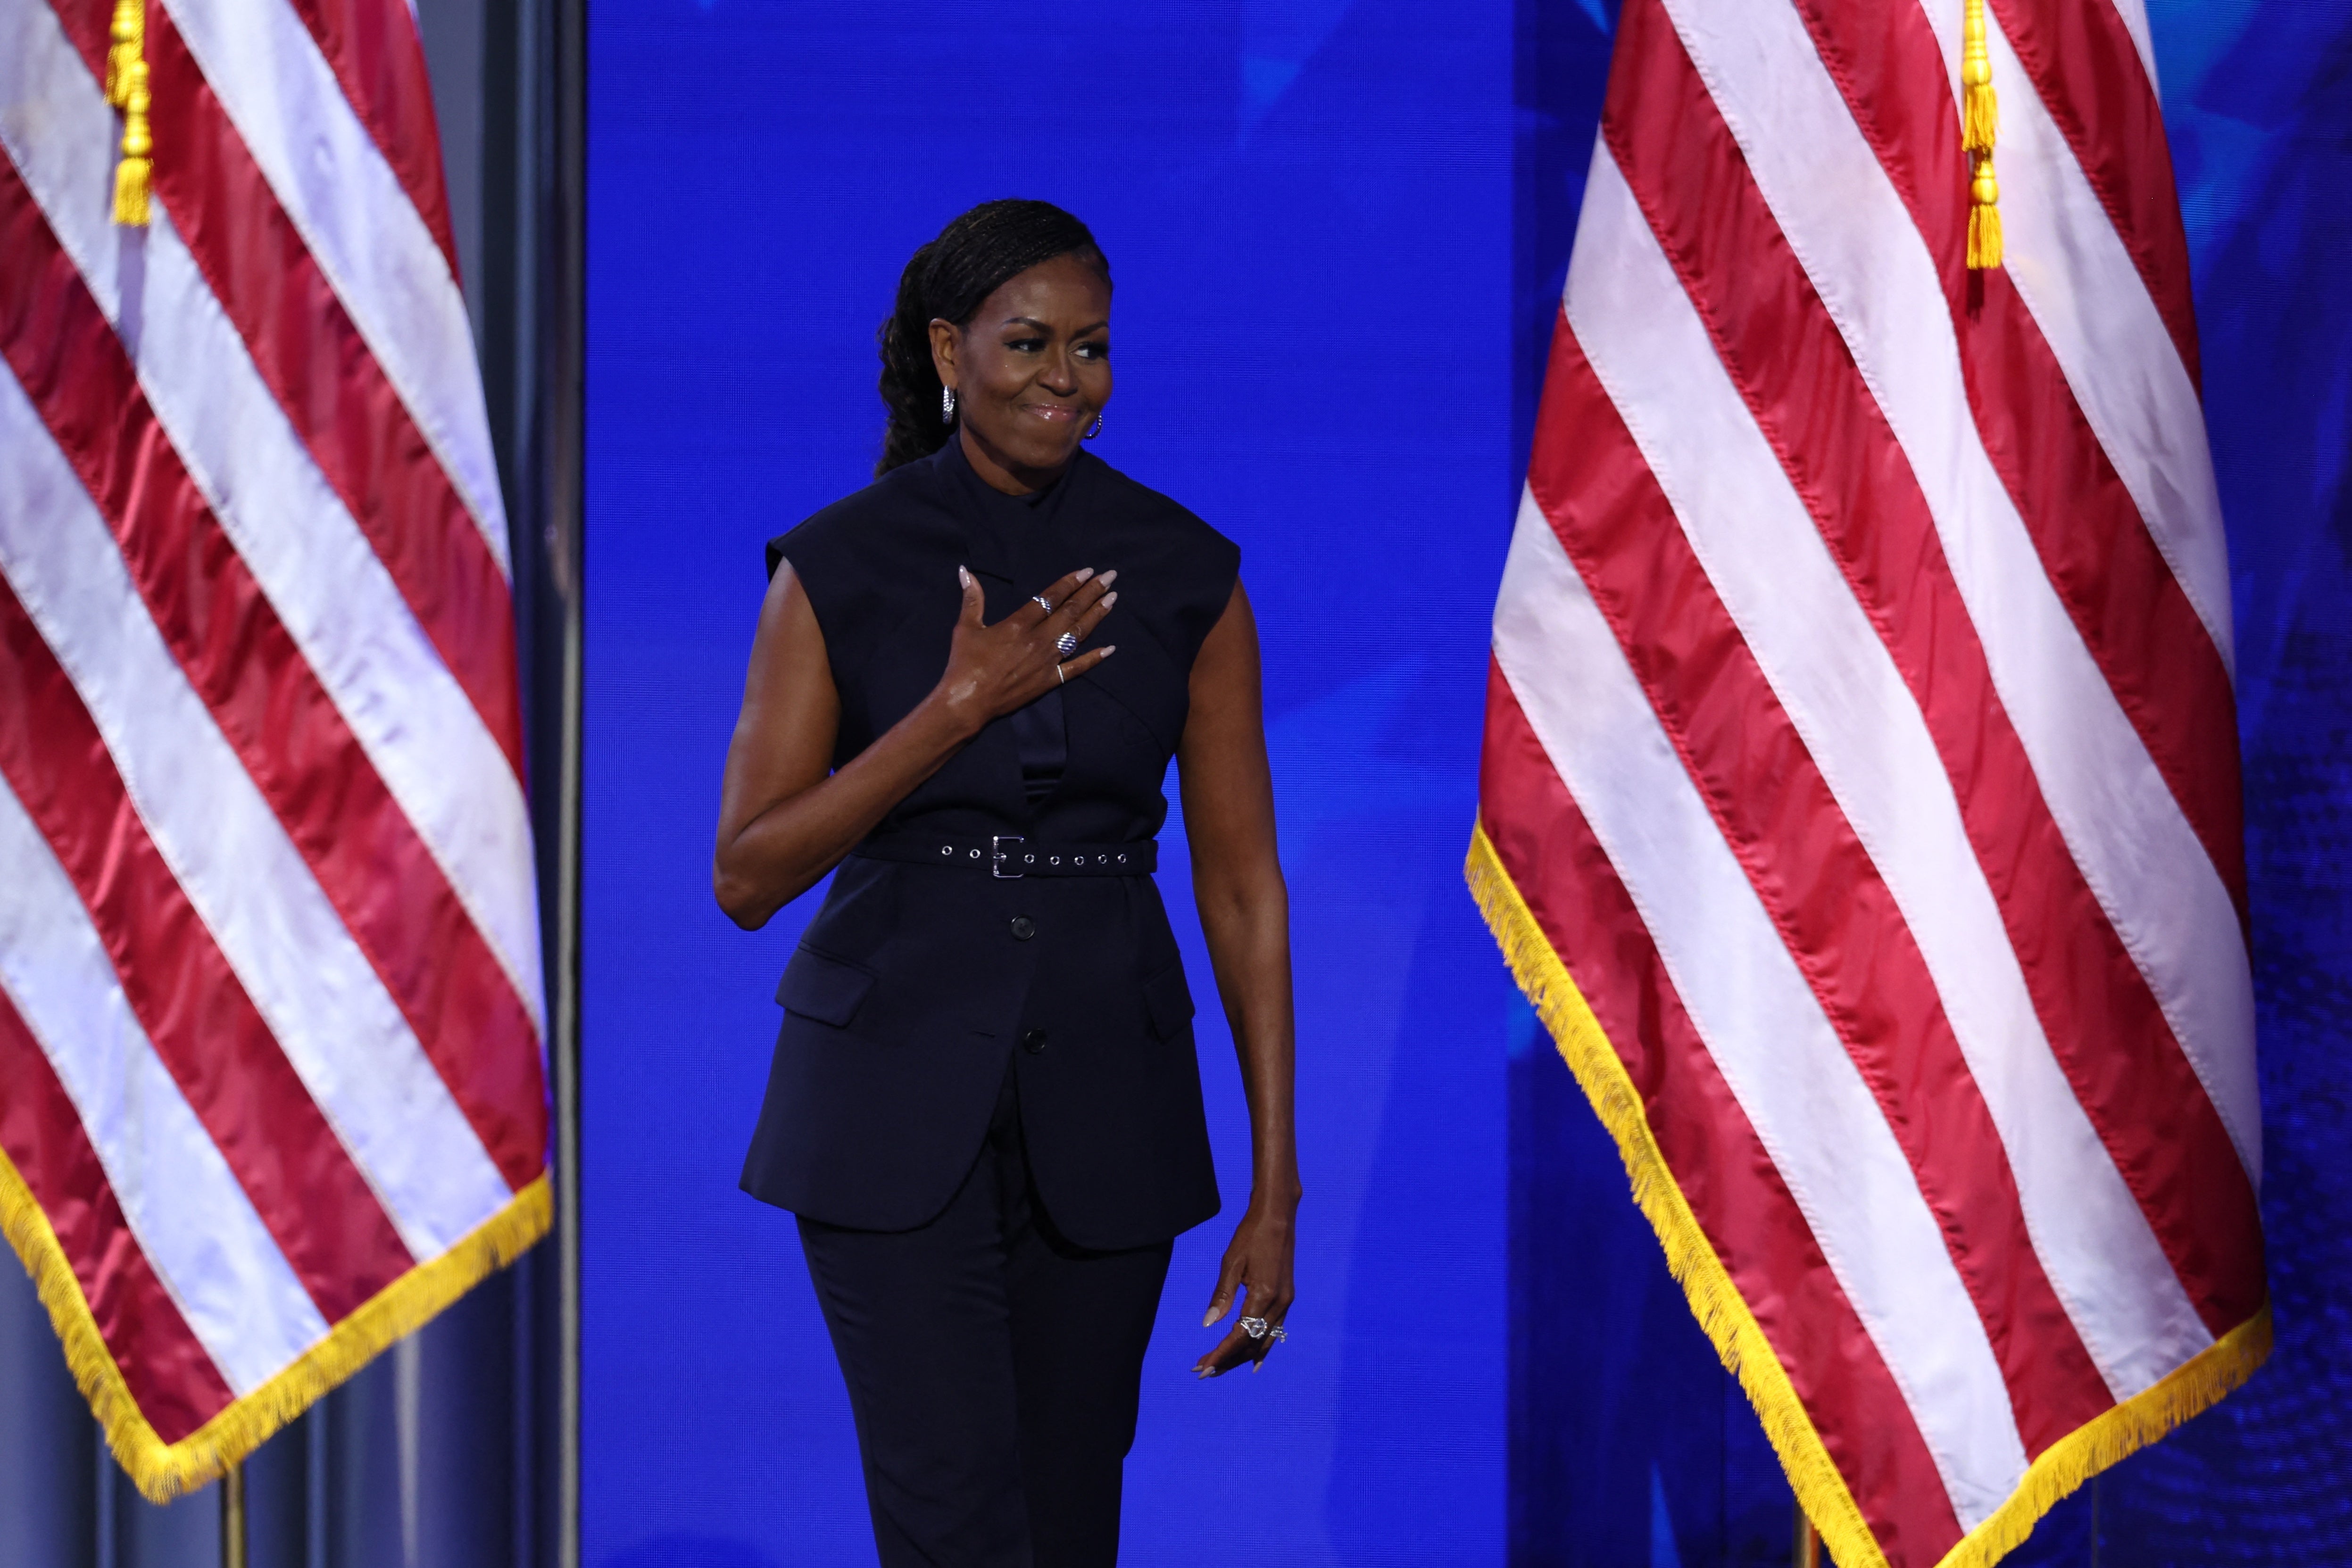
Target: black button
{"x":1033,"y":1042}
{"x":1024,"y":927}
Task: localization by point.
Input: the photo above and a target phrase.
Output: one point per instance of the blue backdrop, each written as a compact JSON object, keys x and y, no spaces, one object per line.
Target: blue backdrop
{"x":1309,"y":208}
{"x":1338,"y":228}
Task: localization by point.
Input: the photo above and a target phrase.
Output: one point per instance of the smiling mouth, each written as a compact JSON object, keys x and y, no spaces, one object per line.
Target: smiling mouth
{"x":1053,"y":410}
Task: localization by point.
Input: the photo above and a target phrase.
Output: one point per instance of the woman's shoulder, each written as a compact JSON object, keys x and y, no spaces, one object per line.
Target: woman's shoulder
{"x":868,"y":524}
{"x":1163,"y":524}
{"x":1189,"y":566}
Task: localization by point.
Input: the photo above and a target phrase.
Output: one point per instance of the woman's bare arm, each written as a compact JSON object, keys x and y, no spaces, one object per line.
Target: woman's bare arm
{"x":1244,"y":910}
{"x":785,"y":819}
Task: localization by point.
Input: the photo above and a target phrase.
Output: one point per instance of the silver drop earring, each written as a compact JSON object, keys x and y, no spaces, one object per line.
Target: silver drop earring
{"x":1093,"y":430}
{"x":947,"y":405}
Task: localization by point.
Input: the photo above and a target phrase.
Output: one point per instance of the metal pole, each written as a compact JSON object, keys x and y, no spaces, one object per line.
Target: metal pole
{"x":566,"y":1062}
{"x":1808,"y":1550}
{"x":563,"y":354}
{"x":232,"y":1509}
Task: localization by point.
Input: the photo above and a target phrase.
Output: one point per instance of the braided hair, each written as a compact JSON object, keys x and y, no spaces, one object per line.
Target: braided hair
{"x":948,"y":280}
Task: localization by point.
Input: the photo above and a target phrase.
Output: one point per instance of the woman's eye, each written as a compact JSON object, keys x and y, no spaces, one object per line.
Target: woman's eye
{"x":1095,"y":350}
{"x":1026,"y":345}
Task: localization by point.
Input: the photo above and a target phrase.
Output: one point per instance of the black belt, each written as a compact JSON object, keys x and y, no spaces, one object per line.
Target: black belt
{"x":1009,"y":855}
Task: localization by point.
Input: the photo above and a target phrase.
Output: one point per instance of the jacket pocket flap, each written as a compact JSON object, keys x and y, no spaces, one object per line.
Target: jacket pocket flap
{"x":1169,"y":1001}
{"x":823,"y":988}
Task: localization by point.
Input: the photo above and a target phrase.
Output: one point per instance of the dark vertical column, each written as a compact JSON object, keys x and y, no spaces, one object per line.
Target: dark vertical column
{"x":47,"y":1452}
{"x":182,"y":1533}
{"x":411,"y":1462}
{"x":358,"y":1483}
{"x":533,"y":193}
{"x":278,"y":1499}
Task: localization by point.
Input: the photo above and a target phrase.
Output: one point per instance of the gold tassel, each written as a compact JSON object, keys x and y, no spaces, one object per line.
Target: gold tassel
{"x":126,"y":88}
{"x":129,"y":32}
{"x":1984,"y":217}
{"x":1979,"y":110}
{"x":1980,"y":121}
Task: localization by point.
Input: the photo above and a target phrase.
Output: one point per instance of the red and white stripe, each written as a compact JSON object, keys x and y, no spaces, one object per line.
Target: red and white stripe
{"x":1860,"y":736}
{"x":270,"y":999}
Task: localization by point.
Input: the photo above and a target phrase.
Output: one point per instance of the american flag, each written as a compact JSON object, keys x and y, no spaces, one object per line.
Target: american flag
{"x":271,"y":1089}
{"x":1860,"y":799}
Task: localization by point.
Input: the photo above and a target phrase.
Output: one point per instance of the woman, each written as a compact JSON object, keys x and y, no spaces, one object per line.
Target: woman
{"x":984,"y":1108}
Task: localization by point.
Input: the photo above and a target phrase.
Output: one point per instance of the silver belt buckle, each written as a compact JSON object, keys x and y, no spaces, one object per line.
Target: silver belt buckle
{"x":998,"y":855}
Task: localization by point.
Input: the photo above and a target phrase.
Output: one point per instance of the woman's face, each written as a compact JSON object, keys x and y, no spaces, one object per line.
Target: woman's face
{"x":1031,"y":369}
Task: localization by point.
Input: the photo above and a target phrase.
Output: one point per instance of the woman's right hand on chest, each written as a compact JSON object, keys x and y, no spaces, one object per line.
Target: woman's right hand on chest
{"x":994,"y":669}
{"x":786,"y":816}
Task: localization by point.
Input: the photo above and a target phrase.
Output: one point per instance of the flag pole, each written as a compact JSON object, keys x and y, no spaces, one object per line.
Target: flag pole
{"x":1808,"y":1550}
{"x":232,"y":1515}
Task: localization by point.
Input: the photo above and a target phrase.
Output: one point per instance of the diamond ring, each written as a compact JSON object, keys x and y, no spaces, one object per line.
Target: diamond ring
{"x":1066,"y":643}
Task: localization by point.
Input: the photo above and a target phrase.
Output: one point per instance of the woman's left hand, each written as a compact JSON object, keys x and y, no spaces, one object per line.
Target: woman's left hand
{"x":1257,"y":1265}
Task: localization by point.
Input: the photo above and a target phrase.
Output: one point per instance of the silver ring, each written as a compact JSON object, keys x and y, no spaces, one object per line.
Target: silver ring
{"x":1066,"y":643}
{"x":1061,"y":676}
{"x":1257,"y":1328}
{"x":1042,"y":602}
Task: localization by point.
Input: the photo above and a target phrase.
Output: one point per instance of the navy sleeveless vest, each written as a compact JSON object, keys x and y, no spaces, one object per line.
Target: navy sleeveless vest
{"x":915,"y":984}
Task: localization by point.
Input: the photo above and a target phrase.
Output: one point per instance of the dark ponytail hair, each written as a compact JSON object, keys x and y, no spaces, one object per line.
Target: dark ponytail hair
{"x":948,"y":280}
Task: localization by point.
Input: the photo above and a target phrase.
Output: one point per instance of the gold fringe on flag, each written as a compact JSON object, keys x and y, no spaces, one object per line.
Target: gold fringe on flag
{"x":1979,"y":119}
{"x":161,"y":1471}
{"x":126,"y":90}
{"x":1726,"y":1318}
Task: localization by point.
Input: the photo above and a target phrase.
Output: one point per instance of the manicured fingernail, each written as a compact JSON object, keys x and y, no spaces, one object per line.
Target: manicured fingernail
{"x":1109,"y":600}
{"x":1109,"y":578}
{"x":963,"y":577}
{"x":1211,"y":1316}
{"x":1085,"y":572}
{"x":1110,"y":651}
{"x":1257,"y":1367}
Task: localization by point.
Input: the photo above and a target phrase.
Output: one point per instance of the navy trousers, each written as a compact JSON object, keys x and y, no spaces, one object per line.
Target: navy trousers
{"x":993,"y":1370}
